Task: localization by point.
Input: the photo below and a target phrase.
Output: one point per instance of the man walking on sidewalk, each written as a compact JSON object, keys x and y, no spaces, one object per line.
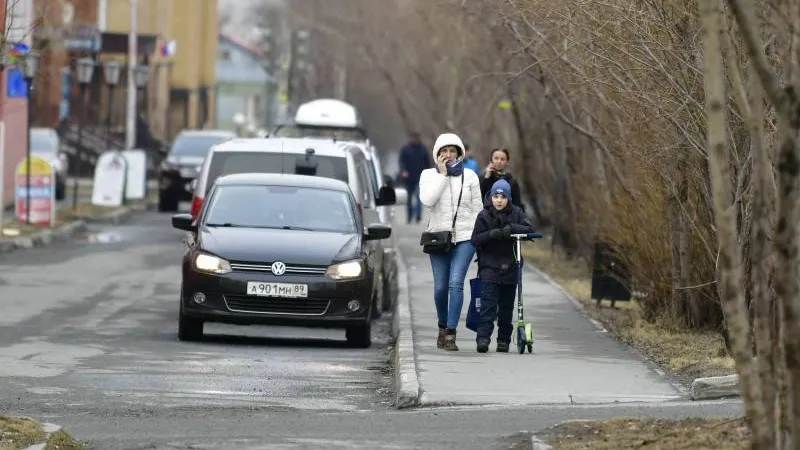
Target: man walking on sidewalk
{"x":414,"y":158}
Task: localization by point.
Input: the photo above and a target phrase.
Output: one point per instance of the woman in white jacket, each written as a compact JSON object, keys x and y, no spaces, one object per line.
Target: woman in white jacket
{"x":439,"y":191}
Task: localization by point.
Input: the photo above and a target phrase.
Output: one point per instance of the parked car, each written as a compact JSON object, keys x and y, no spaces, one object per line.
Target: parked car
{"x":46,"y":144}
{"x":282,"y":250}
{"x":320,"y":157}
{"x":182,"y":165}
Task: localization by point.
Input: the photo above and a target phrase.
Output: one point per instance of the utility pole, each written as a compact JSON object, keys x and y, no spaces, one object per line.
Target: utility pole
{"x":130,"y":123}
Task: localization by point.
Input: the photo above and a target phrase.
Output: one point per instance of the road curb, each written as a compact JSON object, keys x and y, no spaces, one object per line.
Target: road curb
{"x":406,"y":380}
{"x":68,"y":231}
{"x":538,"y":444}
{"x":44,"y":237}
{"x":711,"y":388}
{"x":117,"y":216}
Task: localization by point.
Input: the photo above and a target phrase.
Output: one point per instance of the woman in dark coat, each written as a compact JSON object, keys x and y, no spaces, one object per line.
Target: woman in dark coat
{"x":497,"y":170}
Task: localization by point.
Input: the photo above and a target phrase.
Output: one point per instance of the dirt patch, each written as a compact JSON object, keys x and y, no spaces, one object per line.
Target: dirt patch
{"x":655,"y":434}
{"x":686,"y":353}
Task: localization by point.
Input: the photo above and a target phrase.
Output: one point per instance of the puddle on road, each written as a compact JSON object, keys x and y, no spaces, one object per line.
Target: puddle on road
{"x":105,"y":237}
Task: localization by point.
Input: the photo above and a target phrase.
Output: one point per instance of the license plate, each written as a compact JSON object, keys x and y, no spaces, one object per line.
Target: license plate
{"x":277,"y":289}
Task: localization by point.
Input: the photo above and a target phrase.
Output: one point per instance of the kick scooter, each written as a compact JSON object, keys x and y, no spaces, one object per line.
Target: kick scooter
{"x":524,"y":330}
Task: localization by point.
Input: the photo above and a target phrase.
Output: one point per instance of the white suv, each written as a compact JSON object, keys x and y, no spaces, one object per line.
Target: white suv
{"x":319,"y":157}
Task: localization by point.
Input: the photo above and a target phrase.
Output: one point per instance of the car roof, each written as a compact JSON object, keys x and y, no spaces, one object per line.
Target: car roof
{"x":223,"y":133}
{"x":278,"y":179}
{"x":322,"y":147}
{"x":327,"y":112}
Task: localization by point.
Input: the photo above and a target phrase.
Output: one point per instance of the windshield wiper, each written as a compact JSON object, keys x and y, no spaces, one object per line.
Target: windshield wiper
{"x":226,"y":224}
{"x":288,"y":227}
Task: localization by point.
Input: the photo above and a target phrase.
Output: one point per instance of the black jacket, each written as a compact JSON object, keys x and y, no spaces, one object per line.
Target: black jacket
{"x":496,"y":263}
{"x":486,"y":186}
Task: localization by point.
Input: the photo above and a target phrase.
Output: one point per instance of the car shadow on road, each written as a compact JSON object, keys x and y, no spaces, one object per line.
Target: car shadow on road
{"x":261,"y":341}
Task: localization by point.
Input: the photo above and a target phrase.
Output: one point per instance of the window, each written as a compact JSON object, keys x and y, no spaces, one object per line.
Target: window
{"x":19,"y":21}
{"x":281,"y":207}
{"x":340,"y":134}
{"x":195,"y":145}
{"x":227,"y":163}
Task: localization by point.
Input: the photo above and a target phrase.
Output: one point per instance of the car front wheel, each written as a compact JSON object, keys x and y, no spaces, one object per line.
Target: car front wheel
{"x":167,"y":202}
{"x":189,"y":328}
{"x":359,"y":336}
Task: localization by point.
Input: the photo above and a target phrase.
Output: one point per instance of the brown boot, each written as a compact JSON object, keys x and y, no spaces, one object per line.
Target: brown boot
{"x":450,"y":340}
{"x":440,"y":340}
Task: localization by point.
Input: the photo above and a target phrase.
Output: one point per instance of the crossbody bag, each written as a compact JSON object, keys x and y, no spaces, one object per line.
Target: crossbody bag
{"x":442,"y":241}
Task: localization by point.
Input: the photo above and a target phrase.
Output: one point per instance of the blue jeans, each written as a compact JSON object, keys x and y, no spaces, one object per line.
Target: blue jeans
{"x":413,"y":202}
{"x":449,"y":272}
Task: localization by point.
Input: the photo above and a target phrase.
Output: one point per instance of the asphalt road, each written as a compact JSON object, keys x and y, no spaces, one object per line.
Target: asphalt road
{"x":88,"y":340}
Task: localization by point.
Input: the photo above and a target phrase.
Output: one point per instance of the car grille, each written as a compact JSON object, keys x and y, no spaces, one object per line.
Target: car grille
{"x":270,"y":305}
{"x":265,"y":268}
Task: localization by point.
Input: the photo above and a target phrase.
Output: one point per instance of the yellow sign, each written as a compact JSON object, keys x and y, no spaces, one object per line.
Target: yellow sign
{"x":39,"y":166}
{"x":504,"y":105}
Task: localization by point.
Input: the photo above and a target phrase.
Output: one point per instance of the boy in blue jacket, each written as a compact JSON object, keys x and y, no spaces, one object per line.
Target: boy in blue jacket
{"x":497,"y":267}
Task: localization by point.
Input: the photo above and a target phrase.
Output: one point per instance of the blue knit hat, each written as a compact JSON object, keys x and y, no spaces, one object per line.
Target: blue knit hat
{"x":501,"y":187}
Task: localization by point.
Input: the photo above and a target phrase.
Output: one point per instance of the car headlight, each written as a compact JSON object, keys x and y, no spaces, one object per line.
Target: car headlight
{"x":345,"y":270}
{"x":211,"y":264}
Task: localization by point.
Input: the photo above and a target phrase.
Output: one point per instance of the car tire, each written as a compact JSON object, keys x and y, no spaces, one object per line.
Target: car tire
{"x":167,"y":203}
{"x":359,"y":336}
{"x":189,"y":328}
{"x":389,"y":292}
{"x":376,"y":302}
{"x":61,"y":191}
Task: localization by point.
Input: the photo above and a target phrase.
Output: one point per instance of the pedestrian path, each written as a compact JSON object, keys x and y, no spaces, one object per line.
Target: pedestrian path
{"x":574,"y":361}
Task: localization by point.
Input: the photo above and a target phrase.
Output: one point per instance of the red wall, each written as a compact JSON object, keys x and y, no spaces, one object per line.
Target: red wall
{"x":14,"y":113}
{"x":15,"y":117}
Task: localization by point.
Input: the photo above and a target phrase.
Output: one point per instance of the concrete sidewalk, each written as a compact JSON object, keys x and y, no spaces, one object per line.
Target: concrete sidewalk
{"x":574,"y":361}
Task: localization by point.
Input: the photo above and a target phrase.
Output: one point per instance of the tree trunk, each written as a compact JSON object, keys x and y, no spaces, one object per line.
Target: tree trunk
{"x":730,"y":264}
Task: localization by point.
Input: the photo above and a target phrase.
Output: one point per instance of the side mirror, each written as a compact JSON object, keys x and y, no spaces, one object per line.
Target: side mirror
{"x":183,"y":222}
{"x":386,"y":196}
{"x":377,"y":231}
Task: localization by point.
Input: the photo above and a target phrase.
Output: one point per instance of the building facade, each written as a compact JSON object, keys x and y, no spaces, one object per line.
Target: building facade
{"x":186,"y":93}
{"x":243,"y":84}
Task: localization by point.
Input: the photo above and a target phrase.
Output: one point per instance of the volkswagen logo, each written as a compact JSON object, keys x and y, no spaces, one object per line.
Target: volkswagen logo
{"x":278,"y":268}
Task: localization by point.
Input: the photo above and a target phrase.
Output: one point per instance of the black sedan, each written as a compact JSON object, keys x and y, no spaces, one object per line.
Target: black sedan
{"x":277,"y":249}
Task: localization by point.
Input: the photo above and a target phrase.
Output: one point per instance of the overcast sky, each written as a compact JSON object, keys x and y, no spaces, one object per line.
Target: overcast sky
{"x":239,"y":11}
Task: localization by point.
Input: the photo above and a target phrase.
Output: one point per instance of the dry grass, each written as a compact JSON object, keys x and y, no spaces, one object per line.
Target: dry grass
{"x":16,"y":433}
{"x":61,"y":440}
{"x":655,"y":434}
{"x":686,"y":353}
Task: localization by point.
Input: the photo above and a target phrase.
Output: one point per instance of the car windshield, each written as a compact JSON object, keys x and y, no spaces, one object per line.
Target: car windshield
{"x":227,"y":163}
{"x":42,"y":143}
{"x":195,"y":145}
{"x":281,"y":207}
{"x":305,"y":131}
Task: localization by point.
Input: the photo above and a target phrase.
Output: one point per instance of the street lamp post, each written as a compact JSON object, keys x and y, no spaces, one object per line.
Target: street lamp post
{"x":141,"y":76}
{"x":85,"y":69}
{"x":30,"y":66}
{"x":111,"y":70}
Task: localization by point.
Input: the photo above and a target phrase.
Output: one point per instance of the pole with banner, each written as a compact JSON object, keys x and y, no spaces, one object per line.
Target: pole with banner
{"x":41,"y":192}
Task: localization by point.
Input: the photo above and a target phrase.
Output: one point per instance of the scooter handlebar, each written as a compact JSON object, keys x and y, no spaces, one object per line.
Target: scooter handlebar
{"x":526,"y":236}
